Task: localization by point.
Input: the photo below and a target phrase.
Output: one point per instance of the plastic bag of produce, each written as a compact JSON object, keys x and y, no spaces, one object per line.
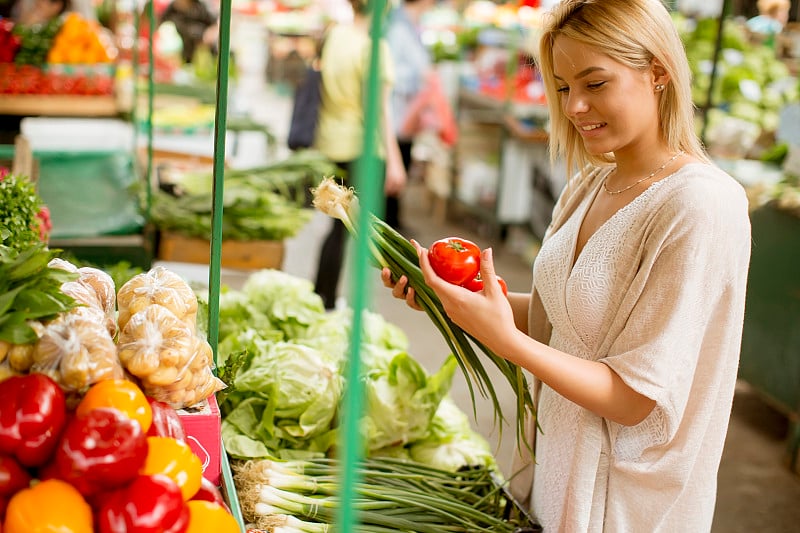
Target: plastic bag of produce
{"x":157,"y":286}
{"x":171,"y":361}
{"x":77,"y":351}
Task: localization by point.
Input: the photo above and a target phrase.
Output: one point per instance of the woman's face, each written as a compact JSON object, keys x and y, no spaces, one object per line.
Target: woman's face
{"x":611,"y":105}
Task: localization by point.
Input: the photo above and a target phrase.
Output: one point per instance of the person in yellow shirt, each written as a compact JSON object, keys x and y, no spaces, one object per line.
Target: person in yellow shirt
{"x":340,"y":129}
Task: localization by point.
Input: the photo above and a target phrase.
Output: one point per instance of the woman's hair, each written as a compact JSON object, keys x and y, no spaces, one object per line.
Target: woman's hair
{"x":633,"y":33}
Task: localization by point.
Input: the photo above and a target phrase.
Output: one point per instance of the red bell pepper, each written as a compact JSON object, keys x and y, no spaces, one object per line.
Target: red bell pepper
{"x":99,"y":451}
{"x":32,"y":418}
{"x":166,"y":422}
{"x":13,"y":478}
{"x":150,"y":504}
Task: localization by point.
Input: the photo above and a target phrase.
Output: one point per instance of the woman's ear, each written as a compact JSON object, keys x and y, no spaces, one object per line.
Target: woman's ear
{"x":660,"y":76}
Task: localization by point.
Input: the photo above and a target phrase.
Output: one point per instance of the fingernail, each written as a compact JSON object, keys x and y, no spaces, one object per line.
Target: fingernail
{"x":487,"y":253}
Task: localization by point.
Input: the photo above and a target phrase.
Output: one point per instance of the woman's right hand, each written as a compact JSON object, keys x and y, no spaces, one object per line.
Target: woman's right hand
{"x":400,"y":288}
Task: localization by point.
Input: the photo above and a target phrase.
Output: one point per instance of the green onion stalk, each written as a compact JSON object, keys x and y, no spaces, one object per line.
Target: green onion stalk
{"x":392,"y":495}
{"x":391,"y":250}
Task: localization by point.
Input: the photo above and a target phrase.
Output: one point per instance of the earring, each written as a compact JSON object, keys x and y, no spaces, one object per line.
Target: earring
{"x":659,"y":87}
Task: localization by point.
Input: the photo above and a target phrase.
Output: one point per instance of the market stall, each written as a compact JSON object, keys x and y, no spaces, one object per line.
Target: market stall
{"x":60,"y":91}
{"x":91,"y":407}
{"x":63,"y":68}
{"x":278,"y":413}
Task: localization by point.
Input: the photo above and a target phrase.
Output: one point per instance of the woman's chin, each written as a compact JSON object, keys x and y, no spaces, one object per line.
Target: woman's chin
{"x":596,"y":149}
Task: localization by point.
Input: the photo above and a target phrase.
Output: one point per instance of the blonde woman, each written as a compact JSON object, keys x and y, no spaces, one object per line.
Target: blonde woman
{"x":633,"y":326}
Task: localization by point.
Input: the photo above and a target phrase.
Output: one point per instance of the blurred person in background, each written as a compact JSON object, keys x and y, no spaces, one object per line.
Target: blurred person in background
{"x":772,"y":17}
{"x":345,"y":60}
{"x":195,"y":23}
{"x":29,"y":13}
{"x":412,"y":65}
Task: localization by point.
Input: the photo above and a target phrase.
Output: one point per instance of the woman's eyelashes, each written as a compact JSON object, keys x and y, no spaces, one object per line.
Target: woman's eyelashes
{"x":591,"y":86}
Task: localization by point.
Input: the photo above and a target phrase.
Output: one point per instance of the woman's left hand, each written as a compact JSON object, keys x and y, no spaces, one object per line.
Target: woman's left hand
{"x":486,"y":314}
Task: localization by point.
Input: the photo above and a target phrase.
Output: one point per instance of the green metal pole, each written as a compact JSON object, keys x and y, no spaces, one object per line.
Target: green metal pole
{"x":151,"y":13}
{"x":135,"y":74}
{"x":220,"y":127}
{"x":369,"y":182}
{"x":709,"y":103}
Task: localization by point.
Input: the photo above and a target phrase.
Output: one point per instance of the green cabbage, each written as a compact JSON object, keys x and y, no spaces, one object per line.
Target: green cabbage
{"x":401,"y":398}
{"x":289,"y":302}
{"x":451,"y":443}
{"x":300,"y":385}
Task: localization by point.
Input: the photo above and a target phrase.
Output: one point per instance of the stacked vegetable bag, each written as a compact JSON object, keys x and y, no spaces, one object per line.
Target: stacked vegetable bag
{"x":283,"y":357}
{"x":79,"y":341}
{"x":82,"y":447}
{"x":69,"y":56}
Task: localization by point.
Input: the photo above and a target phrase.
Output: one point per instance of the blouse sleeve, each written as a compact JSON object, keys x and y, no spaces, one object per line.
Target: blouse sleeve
{"x":688,"y":297}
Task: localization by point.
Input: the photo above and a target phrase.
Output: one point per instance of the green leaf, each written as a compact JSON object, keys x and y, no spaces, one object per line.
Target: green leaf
{"x":7,"y":299}
{"x":37,"y":304}
{"x":17,"y":331}
{"x":29,"y":263}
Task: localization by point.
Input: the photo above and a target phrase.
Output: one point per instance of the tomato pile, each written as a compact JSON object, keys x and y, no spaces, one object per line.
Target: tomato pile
{"x":73,"y":56}
{"x":93,"y":80}
{"x":458,"y":261}
{"x":118,"y":463}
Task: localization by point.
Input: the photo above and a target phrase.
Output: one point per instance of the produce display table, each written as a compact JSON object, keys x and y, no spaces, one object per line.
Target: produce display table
{"x":770,"y":359}
{"x":58,"y":105}
{"x":244,"y":255}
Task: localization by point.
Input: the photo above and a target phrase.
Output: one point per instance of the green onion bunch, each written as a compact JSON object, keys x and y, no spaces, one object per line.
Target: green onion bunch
{"x":390,"y":249}
{"x":392,"y":495}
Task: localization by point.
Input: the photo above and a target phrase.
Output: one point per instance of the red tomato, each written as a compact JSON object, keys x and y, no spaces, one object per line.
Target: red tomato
{"x":476,"y":284}
{"x":455,"y":260}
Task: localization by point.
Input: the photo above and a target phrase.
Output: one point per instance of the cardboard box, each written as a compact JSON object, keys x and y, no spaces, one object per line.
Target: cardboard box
{"x":203,"y":434}
{"x":246,"y":255}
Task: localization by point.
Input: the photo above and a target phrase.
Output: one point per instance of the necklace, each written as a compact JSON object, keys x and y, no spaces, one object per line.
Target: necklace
{"x":635,"y":183}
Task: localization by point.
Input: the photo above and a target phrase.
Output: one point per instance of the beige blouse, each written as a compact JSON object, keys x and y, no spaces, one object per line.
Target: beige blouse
{"x":658,"y":295}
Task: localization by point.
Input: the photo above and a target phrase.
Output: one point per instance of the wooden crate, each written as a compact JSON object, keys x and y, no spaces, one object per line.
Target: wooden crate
{"x":244,"y":255}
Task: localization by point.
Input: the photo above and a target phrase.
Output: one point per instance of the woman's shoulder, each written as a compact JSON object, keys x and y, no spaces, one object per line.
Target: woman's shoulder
{"x":699,"y":176}
{"x":704,"y":190}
